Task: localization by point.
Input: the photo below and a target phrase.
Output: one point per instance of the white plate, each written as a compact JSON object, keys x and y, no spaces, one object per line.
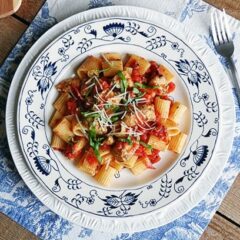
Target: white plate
{"x":160,"y":197}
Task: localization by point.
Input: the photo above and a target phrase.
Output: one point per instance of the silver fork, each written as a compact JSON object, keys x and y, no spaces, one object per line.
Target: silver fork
{"x":223,"y":42}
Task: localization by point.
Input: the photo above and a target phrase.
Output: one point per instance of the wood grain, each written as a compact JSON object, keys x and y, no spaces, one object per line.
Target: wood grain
{"x":10,"y":31}
{"x":232,"y":7}
{"x":9,"y":230}
{"x":221,"y":229}
{"x":29,"y":9}
{"x":8,"y":7}
{"x":230,"y":207}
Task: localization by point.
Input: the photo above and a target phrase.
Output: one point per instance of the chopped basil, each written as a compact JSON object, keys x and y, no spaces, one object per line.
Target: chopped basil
{"x":140,"y":95}
{"x":108,"y":106}
{"x":96,"y":151}
{"x":95,"y":142}
{"x":124,"y":101}
{"x":128,"y":140}
{"x":141,"y":85}
{"x":114,"y":119}
{"x":92,"y":136}
{"x":136,"y":90}
{"x":115,"y":108}
{"x":145,"y":145}
{"x":90,"y":115}
{"x":123,"y":82}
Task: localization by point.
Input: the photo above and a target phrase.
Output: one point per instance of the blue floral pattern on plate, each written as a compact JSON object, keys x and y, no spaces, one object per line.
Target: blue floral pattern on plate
{"x":190,"y":226}
{"x":76,"y":192}
{"x":191,"y":7}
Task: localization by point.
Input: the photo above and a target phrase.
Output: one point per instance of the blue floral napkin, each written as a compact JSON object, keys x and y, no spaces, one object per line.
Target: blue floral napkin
{"x":17,"y":201}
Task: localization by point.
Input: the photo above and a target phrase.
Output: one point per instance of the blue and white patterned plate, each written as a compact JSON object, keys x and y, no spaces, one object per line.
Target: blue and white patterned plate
{"x":152,"y":42}
{"x":176,"y":179}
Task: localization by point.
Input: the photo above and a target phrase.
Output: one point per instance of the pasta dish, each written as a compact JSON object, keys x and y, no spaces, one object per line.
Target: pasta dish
{"x":117,"y":114}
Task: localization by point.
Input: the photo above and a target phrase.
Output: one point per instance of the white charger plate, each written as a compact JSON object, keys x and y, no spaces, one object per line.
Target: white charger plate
{"x":129,"y":195}
{"x":161,"y":198}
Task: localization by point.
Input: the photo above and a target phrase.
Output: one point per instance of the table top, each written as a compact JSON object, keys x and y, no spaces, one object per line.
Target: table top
{"x":225,"y":223}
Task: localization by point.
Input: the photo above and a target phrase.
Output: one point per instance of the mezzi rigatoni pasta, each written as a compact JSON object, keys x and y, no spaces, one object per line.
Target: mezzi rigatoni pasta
{"x":117,"y":115}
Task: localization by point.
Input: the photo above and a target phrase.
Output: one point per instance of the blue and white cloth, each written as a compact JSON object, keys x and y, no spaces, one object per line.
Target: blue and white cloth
{"x":17,"y":201}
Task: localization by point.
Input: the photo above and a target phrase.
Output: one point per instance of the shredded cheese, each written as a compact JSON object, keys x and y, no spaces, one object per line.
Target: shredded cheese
{"x":72,"y":94}
{"x":91,"y":85}
{"x":111,"y":90}
{"x":109,"y":63}
{"x":124,"y":114}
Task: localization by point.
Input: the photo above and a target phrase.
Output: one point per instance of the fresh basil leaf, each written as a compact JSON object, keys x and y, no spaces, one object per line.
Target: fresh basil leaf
{"x":94,"y":115}
{"x":145,"y":145}
{"x":124,"y":101}
{"x":92,"y":136}
{"x":95,"y":142}
{"x":108,"y":106}
{"x":136,"y":91}
{"x":127,"y":140}
{"x":154,"y":87}
{"x":90,"y":115}
{"x":140,"y":95}
{"x":85,"y":113}
{"x":99,"y":158}
{"x":114,"y":119}
{"x":115,"y":108}
{"x":141,"y":85}
{"x":100,"y":139}
{"x":123,"y":81}
{"x":96,"y":151}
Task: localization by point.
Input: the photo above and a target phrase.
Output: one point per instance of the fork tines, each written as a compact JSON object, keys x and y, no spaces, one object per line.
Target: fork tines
{"x":219,"y":27}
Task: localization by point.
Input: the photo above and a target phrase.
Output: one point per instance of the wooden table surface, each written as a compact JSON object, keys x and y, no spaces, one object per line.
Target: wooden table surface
{"x":225,"y":223}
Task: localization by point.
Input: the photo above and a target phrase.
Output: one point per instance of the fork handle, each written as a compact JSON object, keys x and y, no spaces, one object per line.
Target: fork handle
{"x":235,"y":78}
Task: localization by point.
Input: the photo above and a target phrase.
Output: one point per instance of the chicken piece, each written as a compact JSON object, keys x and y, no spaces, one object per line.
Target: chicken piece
{"x":113,"y":99}
{"x":130,"y":82}
{"x":158,"y":81}
{"x":119,"y":130}
{"x":109,"y":140}
{"x":130,"y":120}
{"x":100,"y":130}
{"x":128,"y":77}
{"x":127,"y":152}
{"x":116,"y":81}
{"x":148,"y":111}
